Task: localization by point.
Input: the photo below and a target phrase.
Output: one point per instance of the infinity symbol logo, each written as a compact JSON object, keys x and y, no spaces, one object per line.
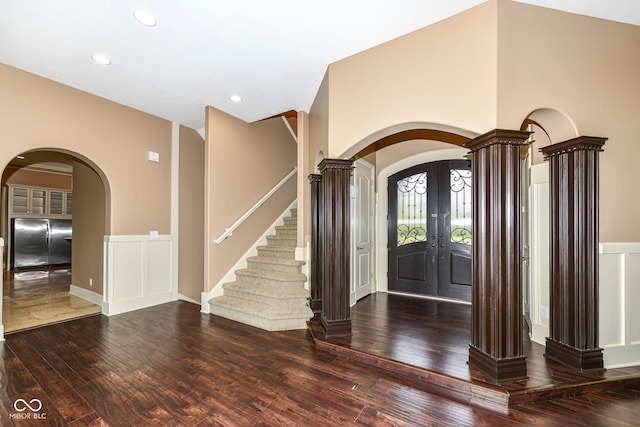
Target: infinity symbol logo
{"x":21,"y":405}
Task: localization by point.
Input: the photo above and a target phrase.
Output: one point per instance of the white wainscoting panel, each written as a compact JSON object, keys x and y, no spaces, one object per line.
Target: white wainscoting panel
{"x":619,"y":302}
{"x":137,"y":272}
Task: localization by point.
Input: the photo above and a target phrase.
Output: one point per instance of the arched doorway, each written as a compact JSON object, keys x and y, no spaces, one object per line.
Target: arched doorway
{"x":392,"y":150}
{"x":62,"y":187}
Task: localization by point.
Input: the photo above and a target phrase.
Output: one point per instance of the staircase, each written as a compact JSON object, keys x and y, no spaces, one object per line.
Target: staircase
{"x":269,"y":293}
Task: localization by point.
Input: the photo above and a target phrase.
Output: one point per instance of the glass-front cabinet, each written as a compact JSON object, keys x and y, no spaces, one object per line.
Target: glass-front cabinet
{"x":60,"y":202}
{"x":27,"y":201}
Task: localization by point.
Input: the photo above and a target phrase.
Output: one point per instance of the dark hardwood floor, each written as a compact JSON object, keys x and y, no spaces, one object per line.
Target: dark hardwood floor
{"x":428,"y":340}
{"x":170,"y":365}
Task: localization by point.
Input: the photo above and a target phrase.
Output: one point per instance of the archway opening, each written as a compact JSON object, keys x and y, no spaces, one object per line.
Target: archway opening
{"x":66,"y":196}
{"x":386,"y":152}
{"x":547,"y":126}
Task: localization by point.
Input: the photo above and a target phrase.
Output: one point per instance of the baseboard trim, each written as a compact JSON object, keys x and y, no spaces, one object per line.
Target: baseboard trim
{"x":86,"y":294}
{"x":187,"y":299}
{"x":124,"y":306}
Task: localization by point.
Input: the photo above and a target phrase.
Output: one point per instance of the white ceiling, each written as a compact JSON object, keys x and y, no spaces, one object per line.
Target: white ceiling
{"x":272,"y":53}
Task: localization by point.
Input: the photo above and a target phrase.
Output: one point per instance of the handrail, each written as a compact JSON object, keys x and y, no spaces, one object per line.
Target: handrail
{"x":229,"y":231}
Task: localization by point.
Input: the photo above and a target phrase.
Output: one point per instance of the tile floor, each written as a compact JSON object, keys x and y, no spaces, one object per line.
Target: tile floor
{"x":40,"y":297}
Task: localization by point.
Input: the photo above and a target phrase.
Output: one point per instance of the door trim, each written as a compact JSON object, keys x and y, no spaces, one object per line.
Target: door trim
{"x":382,"y":263}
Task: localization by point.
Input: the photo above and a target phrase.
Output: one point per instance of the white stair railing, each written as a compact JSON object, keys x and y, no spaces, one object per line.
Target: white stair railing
{"x":229,"y":231}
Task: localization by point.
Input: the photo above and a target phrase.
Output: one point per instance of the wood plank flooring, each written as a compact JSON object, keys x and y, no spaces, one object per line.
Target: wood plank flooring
{"x":38,"y":297}
{"x":171,"y":365}
{"x":429,"y":340}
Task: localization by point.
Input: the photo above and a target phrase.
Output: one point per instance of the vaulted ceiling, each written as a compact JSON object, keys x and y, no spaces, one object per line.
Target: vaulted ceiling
{"x":273,"y":54}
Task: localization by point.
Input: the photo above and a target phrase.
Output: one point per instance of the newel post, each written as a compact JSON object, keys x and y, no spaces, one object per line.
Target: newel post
{"x":335,"y":241}
{"x":315,"y":282}
{"x":573,"y":300}
{"x":496,"y":331}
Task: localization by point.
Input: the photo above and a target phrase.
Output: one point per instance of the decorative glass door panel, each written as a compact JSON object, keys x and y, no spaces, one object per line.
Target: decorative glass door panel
{"x":461,"y":207}
{"x":412,"y":209}
{"x":430,"y":233}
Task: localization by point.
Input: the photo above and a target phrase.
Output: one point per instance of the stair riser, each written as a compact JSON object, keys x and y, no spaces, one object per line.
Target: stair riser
{"x":270,"y":282}
{"x":258,"y":322}
{"x":286,"y":242}
{"x":287,"y":232}
{"x":293,"y":303}
{"x":281,"y":268}
{"x":290,"y":222}
{"x":271,"y":252}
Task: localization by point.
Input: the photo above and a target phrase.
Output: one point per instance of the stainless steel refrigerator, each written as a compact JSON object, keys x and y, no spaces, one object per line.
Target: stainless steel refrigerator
{"x":40,"y":242}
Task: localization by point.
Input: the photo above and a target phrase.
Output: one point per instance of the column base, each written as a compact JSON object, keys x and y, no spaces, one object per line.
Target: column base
{"x":583,"y":360}
{"x":335,"y":328}
{"x":499,"y":370}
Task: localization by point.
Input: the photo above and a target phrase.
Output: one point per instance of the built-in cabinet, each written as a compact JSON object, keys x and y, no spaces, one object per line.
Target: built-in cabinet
{"x":37,"y":202}
{"x":39,"y":227}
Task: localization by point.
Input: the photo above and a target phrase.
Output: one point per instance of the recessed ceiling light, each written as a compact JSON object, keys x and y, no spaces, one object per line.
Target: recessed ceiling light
{"x":145,"y":18}
{"x":20,"y":157}
{"x":235,"y":98}
{"x":100,"y":59}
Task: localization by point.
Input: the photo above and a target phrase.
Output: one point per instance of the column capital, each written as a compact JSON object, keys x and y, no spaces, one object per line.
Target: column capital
{"x":581,"y":143}
{"x":335,"y":164}
{"x":498,"y":137}
{"x":315,"y":177}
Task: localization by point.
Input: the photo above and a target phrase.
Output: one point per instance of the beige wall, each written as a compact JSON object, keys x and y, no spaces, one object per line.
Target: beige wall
{"x":319,"y":125}
{"x":443,"y":74}
{"x":89,"y":223}
{"x":191,"y":228}
{"x":38,"y":113}
{"x":38,"y":178}
{"x":244,"y":161}
{"x":588,"y":70}
{"x":492,"y":67}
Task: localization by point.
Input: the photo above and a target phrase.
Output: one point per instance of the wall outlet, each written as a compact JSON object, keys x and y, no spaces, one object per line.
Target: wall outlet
{"x":153,"y":234}
{"x":90,"y":281}
{"x":544,"y":312}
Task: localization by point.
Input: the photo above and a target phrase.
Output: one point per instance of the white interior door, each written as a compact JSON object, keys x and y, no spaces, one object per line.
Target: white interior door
{"x":539,"y":251}
{"x":362,"y":230}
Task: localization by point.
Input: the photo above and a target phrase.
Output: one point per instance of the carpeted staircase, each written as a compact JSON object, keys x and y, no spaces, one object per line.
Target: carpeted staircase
{"x":269,"y":293}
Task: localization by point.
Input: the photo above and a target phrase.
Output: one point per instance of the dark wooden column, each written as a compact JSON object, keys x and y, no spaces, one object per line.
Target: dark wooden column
{"x":573,"y":188}
{"x":315,"y":256}
{"x":496,"y":330}
{"x":335,"y":242}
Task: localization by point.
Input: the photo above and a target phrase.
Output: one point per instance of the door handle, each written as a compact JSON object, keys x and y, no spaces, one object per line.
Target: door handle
{"x":359,"y":248}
